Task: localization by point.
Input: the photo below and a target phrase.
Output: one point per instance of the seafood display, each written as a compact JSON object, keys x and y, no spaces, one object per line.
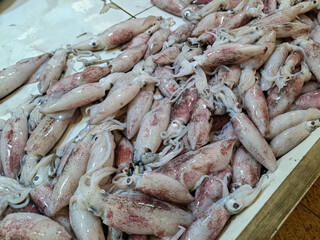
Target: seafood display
{"x":170,"y":137}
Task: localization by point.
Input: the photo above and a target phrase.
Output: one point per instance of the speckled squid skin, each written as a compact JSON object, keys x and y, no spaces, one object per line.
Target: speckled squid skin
{"x":123,"y":154}
{"x":239,"y":19}
{"x":191,"y":166}
{"x":208,"y":225}
{"x":142,"y":38}
{"x":252,"y":140}
{"x":229,"y":53}
{"x":172,"y":6}
{"x":14,"y":76}
{"x":310,"y":86}
{"x":168,"y":85}
{"x":200,"y":124}
{"x":212,"y":20}
{"x":163,"y":187}
{"x":269,"y":6}
{"x":138,"y":214}
{"x":37,"y":74}
{"x":46,"y":135}
{"x":308,"y":100}
{"x":196,"y":13}
{"x":128,"y":58}
{"x":125,"y":31}
{"x":269,"y":42}
{"x":183,"y":107}
{"x":257,"y":108}
{"x":288,"y":29}
{"x":290,"y":138}
{"x":52,"y":70}
{"x":63,"y":218}
{"x":75,"y":98}
{"x":206,"y":39}
{"x":118,"y":97}
{"x":246,"y":170}
{"x":137,"y":108}
{"x":88,"y":75}
{"x":289,"y":119}
{"x":68,"y":181}
{"x":284,"y":15}
{"x":118,"y":34}
{"x":181,"y":34}
{"x":156,"y":41}
{"x":31,"y":226}
{"x":41,"y":196}
{"x":210,"y":191}
{"x":153,"y":123}
{"x":12,"y":143}
{"x":280,"y":101}
{"x":167,"y":56}
{"x":272,"y":66}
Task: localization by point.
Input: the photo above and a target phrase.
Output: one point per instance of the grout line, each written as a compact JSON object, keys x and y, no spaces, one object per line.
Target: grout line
{"x":144,"y":10}
{"x":124,"y":10}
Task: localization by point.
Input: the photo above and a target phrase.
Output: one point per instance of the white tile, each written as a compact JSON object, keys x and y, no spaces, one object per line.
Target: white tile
{"x":133,"y":7}
{"x":32,"y":27}
{"x":159,"y":12}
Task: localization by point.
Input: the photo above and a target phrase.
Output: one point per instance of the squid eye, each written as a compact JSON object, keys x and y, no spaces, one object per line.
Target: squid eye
{"x":37,"y":180}
{"x":94,"y":44}
{"x":233,"y":206}
{"x":187,"y":13}
{"x":130,"y":181}
{"x":176,"y":123}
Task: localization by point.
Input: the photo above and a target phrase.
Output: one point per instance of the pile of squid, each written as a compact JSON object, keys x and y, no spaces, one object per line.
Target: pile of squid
{"x":178,"y":128}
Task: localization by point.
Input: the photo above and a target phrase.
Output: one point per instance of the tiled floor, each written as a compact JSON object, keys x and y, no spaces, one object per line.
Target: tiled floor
{"x":304,"y":221}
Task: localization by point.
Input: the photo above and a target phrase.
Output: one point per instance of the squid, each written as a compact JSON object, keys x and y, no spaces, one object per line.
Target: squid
{"x":188,"y":168}
{"x":40,"y":142}
{"x":118,"y":97}
{"x":117,"y":34}
{"x":12,"y":143}
{"x":14,"y":76}
{"x":156,"y":217}
{"x":289,"y":119}
{"x":155,"y":185}
{"x":149,"y":138}
{"x":80,"y":96}
{"x":52,"y":70}
{"x":288,"y":139}
{"x":31,"y":226}
{"x":211,"y":222}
